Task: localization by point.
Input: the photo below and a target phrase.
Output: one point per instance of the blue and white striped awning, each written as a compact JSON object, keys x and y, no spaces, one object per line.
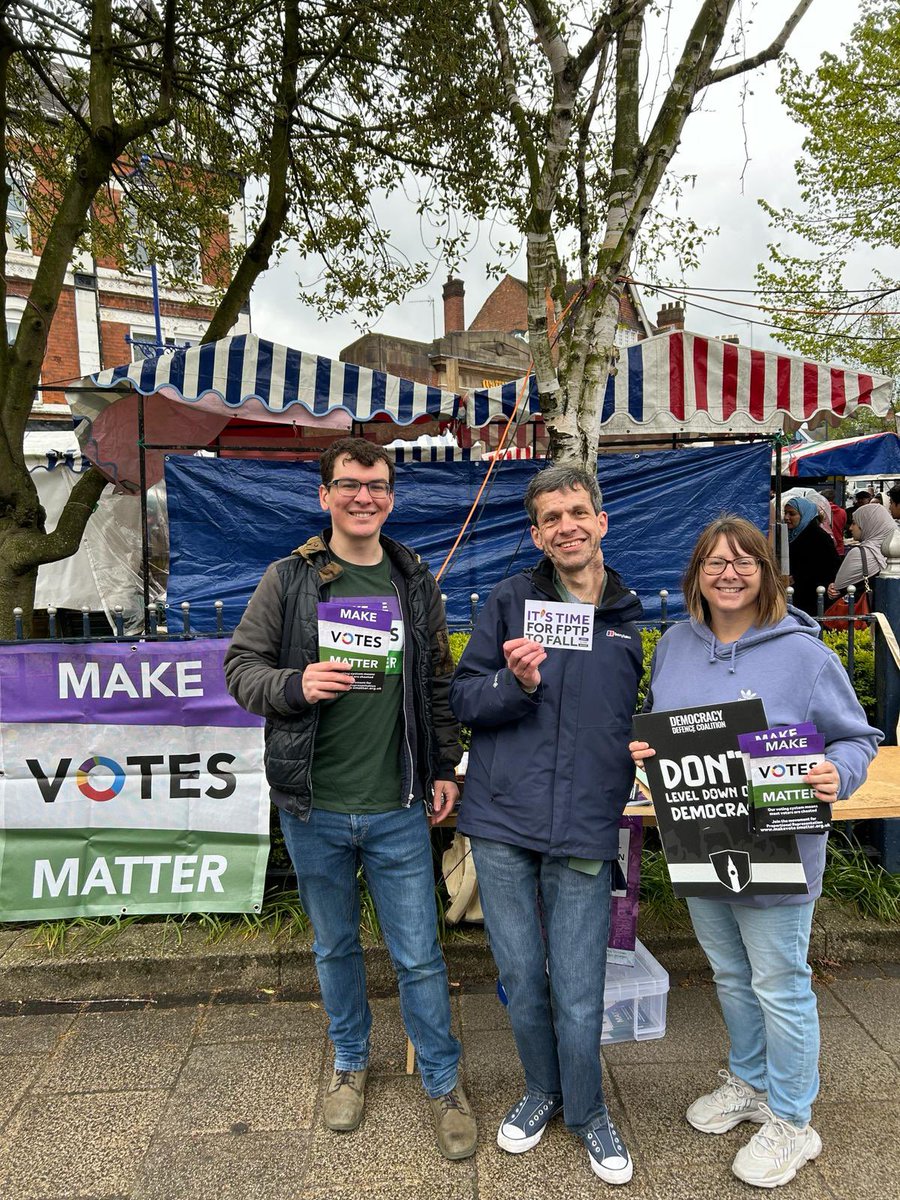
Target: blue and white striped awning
{"x":404,"y":454}
{"x":245,"y":367}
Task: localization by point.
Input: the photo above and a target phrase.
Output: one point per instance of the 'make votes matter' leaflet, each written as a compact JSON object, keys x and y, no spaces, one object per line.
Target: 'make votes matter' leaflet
{"x":699,"y":787}
{"x":777,"y":762}
{"x":357,"y":631}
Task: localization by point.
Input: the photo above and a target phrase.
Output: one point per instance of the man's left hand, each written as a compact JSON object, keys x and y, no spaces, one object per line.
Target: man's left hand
{"x":446,"y":794}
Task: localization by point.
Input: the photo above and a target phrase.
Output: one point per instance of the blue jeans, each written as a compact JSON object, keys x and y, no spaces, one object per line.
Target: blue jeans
{"x":548,"y":927}
{"x":764,"y":982}
{"x":394,"y":849}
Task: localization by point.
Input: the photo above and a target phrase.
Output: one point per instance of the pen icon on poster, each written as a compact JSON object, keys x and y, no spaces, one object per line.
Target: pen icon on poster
{"x":733,"y":875}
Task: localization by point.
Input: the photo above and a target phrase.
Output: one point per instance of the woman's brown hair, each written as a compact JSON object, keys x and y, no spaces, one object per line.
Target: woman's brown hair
{"x":743,"y":539}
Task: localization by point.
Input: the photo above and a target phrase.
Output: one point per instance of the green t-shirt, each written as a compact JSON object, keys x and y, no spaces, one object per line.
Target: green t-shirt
{"x":356,"y":756}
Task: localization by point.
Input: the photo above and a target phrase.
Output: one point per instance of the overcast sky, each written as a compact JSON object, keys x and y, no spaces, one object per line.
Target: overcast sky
{"x":713,"y":148}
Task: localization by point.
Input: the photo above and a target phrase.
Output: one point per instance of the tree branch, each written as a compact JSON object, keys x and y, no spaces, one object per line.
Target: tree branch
{"x":136,"y":130}
{"x":771,"y":52}
{"x":26,"y":551}
{"x":608,"y":24}
{"x":513,"y":102}
{"x":256,"y":256}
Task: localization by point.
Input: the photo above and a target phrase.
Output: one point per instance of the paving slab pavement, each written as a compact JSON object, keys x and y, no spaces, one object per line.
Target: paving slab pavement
{"x":222,"y":1101}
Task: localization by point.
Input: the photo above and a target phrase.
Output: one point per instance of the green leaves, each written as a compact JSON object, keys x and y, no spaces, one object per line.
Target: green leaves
{"x":849,"y":176}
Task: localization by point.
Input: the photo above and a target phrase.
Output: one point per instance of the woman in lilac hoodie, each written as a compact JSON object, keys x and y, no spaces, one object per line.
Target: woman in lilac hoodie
{"x":743,"y":641}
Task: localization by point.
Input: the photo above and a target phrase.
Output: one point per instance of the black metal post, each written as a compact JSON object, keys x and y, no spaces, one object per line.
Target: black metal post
{"x":145,"y":527}
{"x":778,"y":548}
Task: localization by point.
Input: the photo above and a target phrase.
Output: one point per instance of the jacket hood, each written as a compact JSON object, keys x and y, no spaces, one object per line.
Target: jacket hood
{"x":316,"y":551}
{"x":617,"y":598}
{"x":796,"y":622}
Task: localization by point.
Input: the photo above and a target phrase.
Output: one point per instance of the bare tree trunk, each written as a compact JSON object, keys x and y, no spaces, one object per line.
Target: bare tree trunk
{"x":25,"y":545}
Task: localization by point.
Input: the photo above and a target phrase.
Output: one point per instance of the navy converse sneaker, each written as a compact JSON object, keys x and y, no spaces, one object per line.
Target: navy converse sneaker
{"x":607,"y":1153}
{"x":524,"y":1124}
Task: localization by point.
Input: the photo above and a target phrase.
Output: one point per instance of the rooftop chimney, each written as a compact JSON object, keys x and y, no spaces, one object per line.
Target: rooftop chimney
{"x":669,"y":317}
{"x":454,"y":306}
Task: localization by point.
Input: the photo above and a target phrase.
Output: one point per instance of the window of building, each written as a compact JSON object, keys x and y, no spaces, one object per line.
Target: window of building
{"x":18,"y":232}
{"x":15,"y":308}
{"x":187,"y":267}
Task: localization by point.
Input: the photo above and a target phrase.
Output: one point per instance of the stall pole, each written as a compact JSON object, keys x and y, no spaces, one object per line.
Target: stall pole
{"x":887,"y":687}
{"x":778,"y":548}
{"x":145,"y":529}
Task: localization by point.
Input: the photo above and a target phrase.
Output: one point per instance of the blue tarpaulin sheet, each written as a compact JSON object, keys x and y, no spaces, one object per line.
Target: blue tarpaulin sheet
{"x":230,"y":518}
{"x":876,"y":455}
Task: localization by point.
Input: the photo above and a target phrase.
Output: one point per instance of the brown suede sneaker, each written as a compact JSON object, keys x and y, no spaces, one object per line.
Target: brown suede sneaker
{"x":344,"y":1100}
{"x":454,"y":1123}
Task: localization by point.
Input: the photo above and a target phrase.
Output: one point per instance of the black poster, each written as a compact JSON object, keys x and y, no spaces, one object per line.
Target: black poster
{"x":699,"y":789}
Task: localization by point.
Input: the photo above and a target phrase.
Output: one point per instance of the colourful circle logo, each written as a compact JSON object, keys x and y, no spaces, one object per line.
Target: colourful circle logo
{"x":347,"y":639}
{"x":107,"y":764}
{"x":778,"y":770}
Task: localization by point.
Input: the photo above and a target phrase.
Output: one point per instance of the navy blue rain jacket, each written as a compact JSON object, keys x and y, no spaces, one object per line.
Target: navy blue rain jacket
{"x":550,"y":771}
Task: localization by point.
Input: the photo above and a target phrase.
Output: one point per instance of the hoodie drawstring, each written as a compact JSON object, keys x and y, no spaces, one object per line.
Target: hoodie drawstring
{"x":732,"y":670}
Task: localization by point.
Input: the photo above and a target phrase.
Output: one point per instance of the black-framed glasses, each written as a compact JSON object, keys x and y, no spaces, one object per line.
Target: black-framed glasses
{"x":742,"y":566}
{"x":378,"y":489}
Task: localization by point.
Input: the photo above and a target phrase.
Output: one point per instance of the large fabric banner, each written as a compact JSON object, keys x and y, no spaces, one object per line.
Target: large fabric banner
{"x":230,"y":518}
{"x":130,"y":782}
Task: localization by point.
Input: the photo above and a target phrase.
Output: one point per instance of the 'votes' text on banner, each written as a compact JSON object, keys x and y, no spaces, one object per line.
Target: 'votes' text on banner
{"x":130,"y":782}
{"x":699,"y":787}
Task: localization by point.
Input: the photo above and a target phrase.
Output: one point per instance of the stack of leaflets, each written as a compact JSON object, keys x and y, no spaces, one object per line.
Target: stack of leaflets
{"x":777,"y":762}
{"x":357,"y":631}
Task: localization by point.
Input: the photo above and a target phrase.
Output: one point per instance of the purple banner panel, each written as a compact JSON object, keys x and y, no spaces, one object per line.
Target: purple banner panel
{"x":124,"y":683}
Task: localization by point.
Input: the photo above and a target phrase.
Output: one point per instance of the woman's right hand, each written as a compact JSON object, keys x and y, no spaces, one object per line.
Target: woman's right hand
{"x":639,"y":751}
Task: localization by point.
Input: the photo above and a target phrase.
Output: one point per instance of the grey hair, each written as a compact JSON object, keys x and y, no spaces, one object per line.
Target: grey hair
{"x":561,"y":479}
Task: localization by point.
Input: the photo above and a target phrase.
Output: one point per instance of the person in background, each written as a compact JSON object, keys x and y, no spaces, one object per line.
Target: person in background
{"x":894,"y":502}
{"x":861,"y":499}
{"x":742,"y":640}
{"x":548,"y":778}
{"x":813,"y":556}
{"x":838,"y":520}
{"x":878,"y":498}
{"x":870,"y":527}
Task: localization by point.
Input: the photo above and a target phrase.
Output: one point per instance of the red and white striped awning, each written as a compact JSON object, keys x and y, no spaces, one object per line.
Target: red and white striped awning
{"x":678,"y":381}
{"x":511,"y":452}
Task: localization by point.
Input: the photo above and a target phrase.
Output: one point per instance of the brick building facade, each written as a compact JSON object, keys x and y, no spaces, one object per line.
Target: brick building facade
{"x":100,"y":308}
{"x":493,"y":349}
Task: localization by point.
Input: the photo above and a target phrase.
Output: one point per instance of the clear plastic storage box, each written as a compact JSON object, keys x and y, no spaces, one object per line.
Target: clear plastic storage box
{"x":634,"y":1003}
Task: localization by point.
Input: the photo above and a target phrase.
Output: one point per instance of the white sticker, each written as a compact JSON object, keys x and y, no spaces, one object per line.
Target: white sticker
{"x":563,"y":626}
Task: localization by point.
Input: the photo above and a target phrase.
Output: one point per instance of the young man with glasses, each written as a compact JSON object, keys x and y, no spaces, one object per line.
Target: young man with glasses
{"x":352,"y":771}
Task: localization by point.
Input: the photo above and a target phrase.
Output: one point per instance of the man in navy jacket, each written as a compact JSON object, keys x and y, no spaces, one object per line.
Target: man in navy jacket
{"x":548,"y":777}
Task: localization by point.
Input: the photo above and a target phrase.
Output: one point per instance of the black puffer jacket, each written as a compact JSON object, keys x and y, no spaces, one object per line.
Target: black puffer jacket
{"x":278,"y":637}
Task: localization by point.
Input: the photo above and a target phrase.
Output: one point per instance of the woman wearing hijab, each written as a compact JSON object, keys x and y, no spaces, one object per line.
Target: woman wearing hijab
{"x":814,"y":560}
{"x":870,"y":527}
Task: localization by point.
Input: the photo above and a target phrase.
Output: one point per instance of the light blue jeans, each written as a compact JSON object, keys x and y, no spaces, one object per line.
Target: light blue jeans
{"x":548,"y":927}
{"x":764,"y":982}
{"x":394,"y":849}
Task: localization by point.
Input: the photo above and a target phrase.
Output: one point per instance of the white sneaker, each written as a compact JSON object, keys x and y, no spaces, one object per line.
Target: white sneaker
{"x":776,"y":1152}
{"x":734,"y":1101}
